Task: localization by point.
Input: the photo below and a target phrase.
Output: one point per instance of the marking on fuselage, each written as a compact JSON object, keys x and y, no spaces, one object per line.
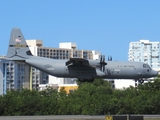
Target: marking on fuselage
{"x":128,"y":66}
{"x":47,"y":66}
{"x":117,"y":70}
{"x":50,"y":68}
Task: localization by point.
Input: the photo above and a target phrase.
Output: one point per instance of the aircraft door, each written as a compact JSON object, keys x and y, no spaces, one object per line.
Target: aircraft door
{"x":146,"y":71}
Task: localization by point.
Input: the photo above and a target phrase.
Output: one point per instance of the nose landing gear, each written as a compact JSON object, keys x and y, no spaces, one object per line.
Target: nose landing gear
{"x":138,"y":81}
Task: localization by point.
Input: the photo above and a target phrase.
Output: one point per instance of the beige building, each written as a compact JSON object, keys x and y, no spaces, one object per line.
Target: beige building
{"x":68,"y":87}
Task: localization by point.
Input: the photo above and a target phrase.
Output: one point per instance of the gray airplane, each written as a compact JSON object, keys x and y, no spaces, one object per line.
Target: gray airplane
{"x":82,"y":69}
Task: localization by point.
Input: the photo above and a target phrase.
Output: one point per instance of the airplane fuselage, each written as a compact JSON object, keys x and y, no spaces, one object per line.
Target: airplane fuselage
{"x":113,"y":69}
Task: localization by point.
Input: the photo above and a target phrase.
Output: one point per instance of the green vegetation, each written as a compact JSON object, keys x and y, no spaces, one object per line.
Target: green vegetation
{"x":97,"y":98}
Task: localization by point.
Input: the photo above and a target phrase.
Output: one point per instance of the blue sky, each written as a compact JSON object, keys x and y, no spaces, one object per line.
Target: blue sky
{"x":104,"y":25}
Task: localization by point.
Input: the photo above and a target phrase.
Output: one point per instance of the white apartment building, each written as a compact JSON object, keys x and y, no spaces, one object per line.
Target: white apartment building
{"x":145,"y":51}
{"x":13,"y":75}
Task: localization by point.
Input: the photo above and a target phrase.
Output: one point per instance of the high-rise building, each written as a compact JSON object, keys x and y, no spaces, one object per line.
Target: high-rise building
{"x":2,"y":72}
{"x":13,"y":75}
{"x":145,"y":51}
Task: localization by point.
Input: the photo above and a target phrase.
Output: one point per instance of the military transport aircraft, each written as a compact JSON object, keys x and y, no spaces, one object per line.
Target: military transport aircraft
{"x":82,"y":69}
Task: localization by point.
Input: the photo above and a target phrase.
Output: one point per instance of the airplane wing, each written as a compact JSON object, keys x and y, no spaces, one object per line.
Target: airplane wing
{"x":77,"y":61}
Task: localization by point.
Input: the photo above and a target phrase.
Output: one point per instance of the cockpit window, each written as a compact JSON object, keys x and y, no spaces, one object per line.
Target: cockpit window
{"x":146,"y":66}
{"x":149,"y":67}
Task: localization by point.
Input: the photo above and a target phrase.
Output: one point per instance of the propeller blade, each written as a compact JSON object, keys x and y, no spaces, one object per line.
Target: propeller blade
{"x":103,"y":58}
{"x":103,"y":68}
{"x":102,"y":63}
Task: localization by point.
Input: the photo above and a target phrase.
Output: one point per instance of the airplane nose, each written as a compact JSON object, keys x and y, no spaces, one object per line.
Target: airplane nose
{"x":154,"y":73}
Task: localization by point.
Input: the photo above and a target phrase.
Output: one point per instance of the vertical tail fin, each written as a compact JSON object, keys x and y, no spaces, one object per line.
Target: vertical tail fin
{"x":18,"y":48}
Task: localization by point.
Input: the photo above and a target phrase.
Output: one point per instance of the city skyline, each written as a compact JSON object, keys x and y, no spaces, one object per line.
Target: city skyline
{"x":105,"y":26}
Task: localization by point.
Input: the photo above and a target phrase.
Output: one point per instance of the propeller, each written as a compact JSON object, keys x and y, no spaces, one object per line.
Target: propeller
{"x":102,"y":63}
